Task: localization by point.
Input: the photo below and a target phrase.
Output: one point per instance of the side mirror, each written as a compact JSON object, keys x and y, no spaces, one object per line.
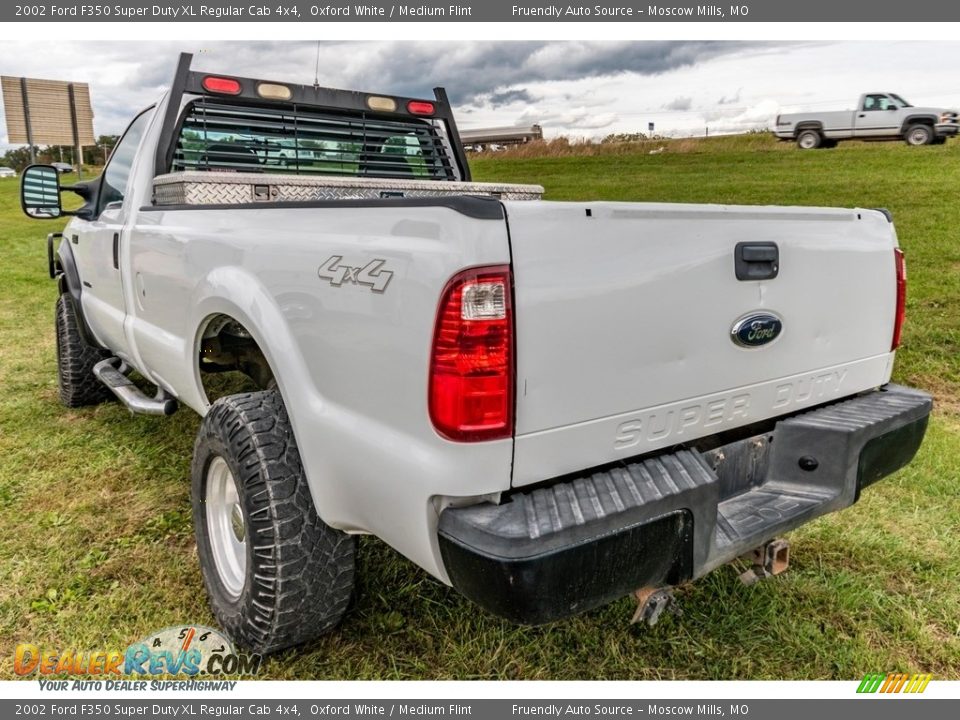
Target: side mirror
{"x":893,"y":107}
{"x":40,"y":192}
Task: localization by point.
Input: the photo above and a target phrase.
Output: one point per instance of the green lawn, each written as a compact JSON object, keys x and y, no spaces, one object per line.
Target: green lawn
{"x":98,"y":549}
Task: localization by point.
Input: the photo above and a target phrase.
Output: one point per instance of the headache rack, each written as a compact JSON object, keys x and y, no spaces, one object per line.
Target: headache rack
{"x":228,"y":140}
{"x":289,"y":117}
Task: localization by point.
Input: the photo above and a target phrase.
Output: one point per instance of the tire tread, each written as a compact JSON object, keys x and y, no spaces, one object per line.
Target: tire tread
{"x":77,"y":384}
{"x":301,"y":570}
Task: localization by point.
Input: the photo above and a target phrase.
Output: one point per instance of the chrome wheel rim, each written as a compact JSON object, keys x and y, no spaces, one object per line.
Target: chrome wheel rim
{"x":226,"y":527}
{"x":918,"y":137}
{"x":807,"y":141}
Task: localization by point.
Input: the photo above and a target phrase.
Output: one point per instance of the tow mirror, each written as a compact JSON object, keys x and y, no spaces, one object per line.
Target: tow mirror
{"x":40,"y":192}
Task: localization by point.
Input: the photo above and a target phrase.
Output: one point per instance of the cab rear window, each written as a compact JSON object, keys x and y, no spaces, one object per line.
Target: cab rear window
{"x":224,"y":136}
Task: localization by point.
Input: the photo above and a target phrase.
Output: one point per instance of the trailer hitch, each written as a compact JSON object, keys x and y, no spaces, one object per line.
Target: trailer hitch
{"x":652,"y":603}
{"x":771,"y":558}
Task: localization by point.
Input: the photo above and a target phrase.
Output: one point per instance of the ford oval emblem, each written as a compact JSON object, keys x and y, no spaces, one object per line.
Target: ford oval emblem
{"x":756,"y":329}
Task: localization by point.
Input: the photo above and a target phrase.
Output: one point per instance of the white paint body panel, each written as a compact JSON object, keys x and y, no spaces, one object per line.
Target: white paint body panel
{"x":620,"y":317}
{"x":624,"y":319}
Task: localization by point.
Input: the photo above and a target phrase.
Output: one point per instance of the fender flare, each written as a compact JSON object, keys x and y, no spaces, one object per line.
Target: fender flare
{"x":924,"y":119}
{"x":807,"y":125}
{"x":240,"y":295}
{"x":236,"y":293}
{"x":68,"y":282}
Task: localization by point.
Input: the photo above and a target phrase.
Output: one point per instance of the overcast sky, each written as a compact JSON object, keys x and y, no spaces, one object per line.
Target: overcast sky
{"x":571,"y":88}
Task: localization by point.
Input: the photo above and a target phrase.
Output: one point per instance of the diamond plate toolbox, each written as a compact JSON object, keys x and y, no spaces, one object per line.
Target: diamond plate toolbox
{"x":228,"y":188}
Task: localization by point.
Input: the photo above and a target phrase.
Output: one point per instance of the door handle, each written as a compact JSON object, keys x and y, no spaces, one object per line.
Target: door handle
{"x":116,"y":251}
{"x":756,"y":260}
{"x":862,"y":115}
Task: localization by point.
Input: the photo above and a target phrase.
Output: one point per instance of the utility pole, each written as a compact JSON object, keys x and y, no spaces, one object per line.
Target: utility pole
{"x":26,"y":120}
{"x":77,"y":149}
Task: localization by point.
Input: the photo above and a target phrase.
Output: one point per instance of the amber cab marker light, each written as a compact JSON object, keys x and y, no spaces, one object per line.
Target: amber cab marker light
{"x":274,"y":91}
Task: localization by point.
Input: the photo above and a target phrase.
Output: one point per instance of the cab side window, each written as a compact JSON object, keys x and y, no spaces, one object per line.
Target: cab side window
{"x":117,"y":172}
{"x":875,"y":102}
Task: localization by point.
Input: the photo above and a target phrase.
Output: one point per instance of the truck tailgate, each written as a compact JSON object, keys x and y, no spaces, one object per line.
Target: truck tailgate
{"x":625,"y":312}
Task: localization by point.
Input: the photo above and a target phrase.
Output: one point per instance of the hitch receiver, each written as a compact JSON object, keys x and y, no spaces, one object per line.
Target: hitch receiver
{"x":771,"y":558}
{"x":652,"y":603}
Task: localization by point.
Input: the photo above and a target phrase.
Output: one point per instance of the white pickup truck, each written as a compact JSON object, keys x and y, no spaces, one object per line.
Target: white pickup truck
{"x":547,"y":405}
{"x":879,"y":116}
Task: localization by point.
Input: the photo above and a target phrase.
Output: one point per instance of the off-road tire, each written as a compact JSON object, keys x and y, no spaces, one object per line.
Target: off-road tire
{"x":918,"y":135}
{"x":75,"y":360}
{"x":809,"y":139}
{"x":299,"y":571}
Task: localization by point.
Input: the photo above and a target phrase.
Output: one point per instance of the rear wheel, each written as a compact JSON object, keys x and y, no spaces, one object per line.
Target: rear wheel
{"x":76,"y":382}
{"x":917,"y":135}
{"x":809,"y":139}
{"x":275,"y":573}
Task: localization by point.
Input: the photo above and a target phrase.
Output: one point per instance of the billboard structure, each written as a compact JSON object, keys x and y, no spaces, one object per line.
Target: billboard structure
{"x":49,"y":112}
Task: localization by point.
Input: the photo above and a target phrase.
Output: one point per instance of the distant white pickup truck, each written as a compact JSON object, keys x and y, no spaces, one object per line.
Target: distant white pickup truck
{"x":879,"y":116}
{"x":547,"y":405}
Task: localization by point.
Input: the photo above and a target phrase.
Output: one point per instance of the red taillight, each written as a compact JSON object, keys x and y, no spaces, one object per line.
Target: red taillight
{"x":419,"y":107}
{"x":221,"y":85}
{"x":471,"y":364}
{"x":901,"y":298}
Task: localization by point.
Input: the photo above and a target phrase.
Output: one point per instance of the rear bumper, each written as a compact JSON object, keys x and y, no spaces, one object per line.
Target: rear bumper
{"x":575,"y":545}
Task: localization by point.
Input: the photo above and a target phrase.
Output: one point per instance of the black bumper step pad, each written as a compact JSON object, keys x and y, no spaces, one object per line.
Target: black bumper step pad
{"x":564,"y":548}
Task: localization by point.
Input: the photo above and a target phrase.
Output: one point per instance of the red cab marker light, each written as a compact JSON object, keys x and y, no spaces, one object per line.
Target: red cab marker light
{"x":221,"y":85}
{"x":420,"y":107}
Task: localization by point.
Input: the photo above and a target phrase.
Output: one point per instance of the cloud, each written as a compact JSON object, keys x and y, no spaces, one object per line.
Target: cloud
{"x":585,"y":88}
{"x":125,"y":76}
{"x":501,"y":98}
{"x":573,"y":119}
{"x":679,"y":104}
{"x":759,"y":115}
{"x":472,"y":70}
{"x":735,"y":98}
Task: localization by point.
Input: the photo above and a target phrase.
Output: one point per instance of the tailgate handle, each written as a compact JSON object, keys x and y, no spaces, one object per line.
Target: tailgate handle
{"x":756,"y":260}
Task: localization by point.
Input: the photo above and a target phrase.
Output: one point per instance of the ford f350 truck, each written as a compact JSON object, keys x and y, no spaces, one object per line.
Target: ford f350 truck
{"x":879,"y":116}
{"x":547,"y":405}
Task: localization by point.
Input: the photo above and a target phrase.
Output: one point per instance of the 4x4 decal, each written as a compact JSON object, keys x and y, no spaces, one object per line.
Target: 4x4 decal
{"x":372,"y":274}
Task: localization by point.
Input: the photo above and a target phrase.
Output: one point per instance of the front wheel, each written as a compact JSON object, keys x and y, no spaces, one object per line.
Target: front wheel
{"x":917,"y":135}
{"x":276,"y":574}
{"x":809,"y":139}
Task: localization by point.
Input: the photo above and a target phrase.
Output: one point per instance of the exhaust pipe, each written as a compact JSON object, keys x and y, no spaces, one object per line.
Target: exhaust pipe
{"x":112,"y":373}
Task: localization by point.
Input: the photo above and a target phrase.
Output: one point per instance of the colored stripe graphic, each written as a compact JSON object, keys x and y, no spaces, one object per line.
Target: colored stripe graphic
{"x":894,"y":683}
{"x":870,"y":683}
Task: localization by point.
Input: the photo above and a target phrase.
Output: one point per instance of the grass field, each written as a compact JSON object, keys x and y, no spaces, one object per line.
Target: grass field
{"x":98,"y":549}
